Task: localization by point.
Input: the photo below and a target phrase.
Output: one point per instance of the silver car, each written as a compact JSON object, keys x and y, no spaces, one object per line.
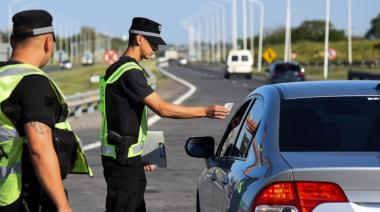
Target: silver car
{"x":310,"y":146}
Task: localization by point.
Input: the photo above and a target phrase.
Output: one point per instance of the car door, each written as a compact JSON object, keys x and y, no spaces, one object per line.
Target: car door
{"x":229,"y":171}
{"x":206,"y":183}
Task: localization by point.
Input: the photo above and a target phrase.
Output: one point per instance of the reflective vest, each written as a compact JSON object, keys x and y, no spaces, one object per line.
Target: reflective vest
{"x":11,"y":144}
{"x":109,"y":149}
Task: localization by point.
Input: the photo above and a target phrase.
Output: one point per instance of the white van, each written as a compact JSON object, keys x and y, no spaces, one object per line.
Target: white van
{"x":239,"y":62}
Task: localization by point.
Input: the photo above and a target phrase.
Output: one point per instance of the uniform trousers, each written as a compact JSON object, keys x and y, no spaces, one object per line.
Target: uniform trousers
{"x":125,"y":185}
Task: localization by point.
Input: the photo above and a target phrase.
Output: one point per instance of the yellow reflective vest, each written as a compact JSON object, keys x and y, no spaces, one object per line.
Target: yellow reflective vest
{"x":11,"y":144}
{"x":109,"y":149}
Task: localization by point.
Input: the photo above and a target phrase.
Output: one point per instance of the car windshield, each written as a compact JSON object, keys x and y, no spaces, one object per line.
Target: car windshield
{"x":330,"y":124}
{"x":287,"y":67}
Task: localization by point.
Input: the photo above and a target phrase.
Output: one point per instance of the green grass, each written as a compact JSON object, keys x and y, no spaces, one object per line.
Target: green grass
{"x":308,"y":51}
{"x":78,"y":79}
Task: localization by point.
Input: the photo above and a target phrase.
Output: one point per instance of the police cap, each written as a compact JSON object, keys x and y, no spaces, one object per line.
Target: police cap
{"x":149,"y":29}
{"x":30,"y":23}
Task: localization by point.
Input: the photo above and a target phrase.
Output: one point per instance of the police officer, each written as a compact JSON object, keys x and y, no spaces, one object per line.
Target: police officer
{"x":37,"y":146}
{"x":125,"y":96}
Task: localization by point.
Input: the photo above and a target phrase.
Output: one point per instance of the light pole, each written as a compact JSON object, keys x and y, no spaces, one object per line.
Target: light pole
{"x":261,"y":5}
{"x":223,"y":27}
{"x":217,"y":48}
{"x":288,"y":50}
{"x":234,"y":25}
{"x":252,"y":22}
{"x":326,"y":62}
{"x":244,"y":24}
{"x":207,"y":32}
{"x":189,"y":26}
{"x":350,"y":34}
{"x":197,"y":36}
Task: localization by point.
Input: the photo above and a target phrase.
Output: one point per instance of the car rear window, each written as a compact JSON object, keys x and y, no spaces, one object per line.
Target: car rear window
{"x":244,"y":58}
{"x":287,"y":67}
{"x":330,"y":124}
{"x":235,"y":58}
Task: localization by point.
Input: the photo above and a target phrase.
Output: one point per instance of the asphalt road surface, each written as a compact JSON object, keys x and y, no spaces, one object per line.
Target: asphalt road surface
{"x":173,"y":188}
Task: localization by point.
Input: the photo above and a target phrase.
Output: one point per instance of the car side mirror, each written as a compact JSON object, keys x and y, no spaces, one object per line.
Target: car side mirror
{"x":200,"y":147}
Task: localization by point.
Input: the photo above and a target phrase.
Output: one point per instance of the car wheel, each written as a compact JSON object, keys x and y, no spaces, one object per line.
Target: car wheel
{"x":248,"y":76}
{"x":198,"y":207}
{"x":227,"y":75}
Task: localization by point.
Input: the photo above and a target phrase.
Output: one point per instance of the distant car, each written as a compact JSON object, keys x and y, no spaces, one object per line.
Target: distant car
{"x":310,"y":146}
{"x":66,"y":64}
{"x":87,"y":59}
{"x":183,"y":62}
{"x":285,"y":72}
{"x":239,"y":62}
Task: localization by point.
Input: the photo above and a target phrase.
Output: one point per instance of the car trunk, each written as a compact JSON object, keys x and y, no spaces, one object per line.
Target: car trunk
{"x":288,"y":75}
{"x":357,"y":173}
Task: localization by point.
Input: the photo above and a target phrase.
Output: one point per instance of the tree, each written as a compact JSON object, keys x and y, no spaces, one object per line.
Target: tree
{"x":314,"y":30}
{"x":374,"y":31}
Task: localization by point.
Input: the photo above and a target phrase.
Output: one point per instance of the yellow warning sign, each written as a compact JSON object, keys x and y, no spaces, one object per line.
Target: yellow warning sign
{"x":269,"y":55}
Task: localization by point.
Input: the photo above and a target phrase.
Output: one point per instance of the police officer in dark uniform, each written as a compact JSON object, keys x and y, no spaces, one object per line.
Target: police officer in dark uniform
{"x":125,"y":94}
{"x":32,"y":110}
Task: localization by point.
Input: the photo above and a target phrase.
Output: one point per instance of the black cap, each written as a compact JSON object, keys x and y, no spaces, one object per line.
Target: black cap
{"x":31,"y":23}
{"x":149,"y":29}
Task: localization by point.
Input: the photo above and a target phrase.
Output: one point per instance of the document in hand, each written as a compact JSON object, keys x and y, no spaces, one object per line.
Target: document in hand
{"x":154,"y":149}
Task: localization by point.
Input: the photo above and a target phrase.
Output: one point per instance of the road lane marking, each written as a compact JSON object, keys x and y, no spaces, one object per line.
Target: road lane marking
{"x":153,"y":119}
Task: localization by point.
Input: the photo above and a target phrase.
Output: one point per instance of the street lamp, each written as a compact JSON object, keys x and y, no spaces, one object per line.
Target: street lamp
{"x":217,"y":34}
{"x":207,"y":31}
{"x":288,"y":50}
{"x":327,"y":25}
{"x":350,"y":34}
{"x":261,"y":32}
{"x":223,"y":26}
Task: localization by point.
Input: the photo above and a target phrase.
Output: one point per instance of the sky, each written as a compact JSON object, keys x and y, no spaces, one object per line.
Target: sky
{"x":114,"y":16}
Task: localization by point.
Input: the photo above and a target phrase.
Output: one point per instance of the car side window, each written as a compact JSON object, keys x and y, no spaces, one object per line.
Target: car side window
{"x":227,"y":143}
{"x":249,"y":129}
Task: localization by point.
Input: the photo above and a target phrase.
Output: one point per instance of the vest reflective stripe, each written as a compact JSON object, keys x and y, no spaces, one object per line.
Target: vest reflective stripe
{"x":12,"y":145}
{"x":108,"y":149}
{"x":7,"y":134}
{"x":6,"y":171}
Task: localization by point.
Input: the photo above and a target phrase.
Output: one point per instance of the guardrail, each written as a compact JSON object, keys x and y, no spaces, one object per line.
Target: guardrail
{"x":89,"y":101}
{"x":362,"y":75}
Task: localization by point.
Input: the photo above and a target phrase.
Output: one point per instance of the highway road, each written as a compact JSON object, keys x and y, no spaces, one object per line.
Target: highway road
{"x":173,"y":188}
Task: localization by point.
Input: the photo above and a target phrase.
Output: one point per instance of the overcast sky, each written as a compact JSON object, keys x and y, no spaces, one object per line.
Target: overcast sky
{"x":114,"y":16}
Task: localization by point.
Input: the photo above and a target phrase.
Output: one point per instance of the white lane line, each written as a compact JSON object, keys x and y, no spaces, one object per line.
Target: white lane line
{"x":153,"y":119}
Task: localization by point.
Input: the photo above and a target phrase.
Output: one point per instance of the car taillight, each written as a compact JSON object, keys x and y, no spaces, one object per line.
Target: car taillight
{"x":300,"y":74}
{"x":297,"y":196}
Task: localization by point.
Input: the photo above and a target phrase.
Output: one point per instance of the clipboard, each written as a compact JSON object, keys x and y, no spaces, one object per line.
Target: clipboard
{"x":154,"y":149}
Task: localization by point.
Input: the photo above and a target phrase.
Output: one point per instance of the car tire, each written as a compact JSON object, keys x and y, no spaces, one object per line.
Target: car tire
{"x":227,"y":75}
{"x":248,"y":76}
{"x":198,"y":207}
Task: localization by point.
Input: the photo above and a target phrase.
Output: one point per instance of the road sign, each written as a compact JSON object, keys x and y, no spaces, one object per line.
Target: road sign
{"x":293,"y":55}
{"x":110,"y":57}
{"x":269,"y":55}
{"x":332,"y":54}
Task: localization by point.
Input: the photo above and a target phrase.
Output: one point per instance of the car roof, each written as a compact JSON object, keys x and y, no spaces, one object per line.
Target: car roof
{"x":297,"y":90}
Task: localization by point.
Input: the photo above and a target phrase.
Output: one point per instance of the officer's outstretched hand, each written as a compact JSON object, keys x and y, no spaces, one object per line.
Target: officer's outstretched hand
{"x":217,"y":111}
{"x":149,"y":167}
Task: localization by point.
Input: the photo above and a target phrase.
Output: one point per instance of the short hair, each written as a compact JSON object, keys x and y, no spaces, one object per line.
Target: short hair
{"x":132,"y":39}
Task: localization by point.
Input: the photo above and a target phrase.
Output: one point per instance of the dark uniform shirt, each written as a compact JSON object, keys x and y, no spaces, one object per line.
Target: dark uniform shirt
{"x":33,"y":99}
{"x":124,"y":99}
